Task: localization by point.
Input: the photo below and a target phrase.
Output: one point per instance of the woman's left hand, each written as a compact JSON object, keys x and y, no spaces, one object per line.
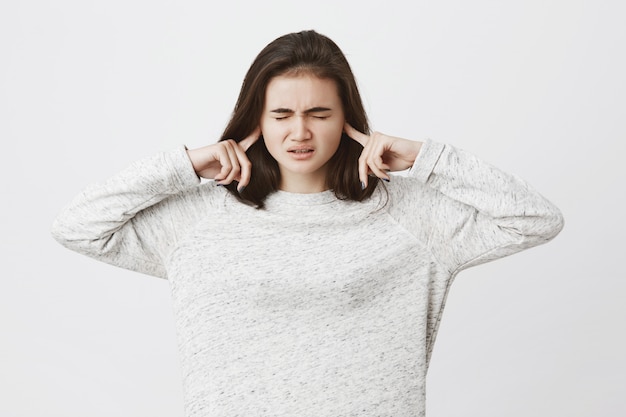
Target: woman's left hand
{"x":383,"y":153}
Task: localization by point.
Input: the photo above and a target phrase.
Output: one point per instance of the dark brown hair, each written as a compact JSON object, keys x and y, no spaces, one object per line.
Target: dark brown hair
{"x":296,"y":53}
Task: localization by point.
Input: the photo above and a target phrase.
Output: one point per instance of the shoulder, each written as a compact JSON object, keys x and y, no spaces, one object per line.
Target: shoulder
{"x":206,"y":198}
{"x":404,"y":189}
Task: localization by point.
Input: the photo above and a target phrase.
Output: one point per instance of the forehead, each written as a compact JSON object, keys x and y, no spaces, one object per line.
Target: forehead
{"x":304,"y":90}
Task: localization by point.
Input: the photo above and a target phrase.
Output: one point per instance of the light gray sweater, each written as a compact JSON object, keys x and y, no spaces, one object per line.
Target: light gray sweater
{"x":313,"y":306}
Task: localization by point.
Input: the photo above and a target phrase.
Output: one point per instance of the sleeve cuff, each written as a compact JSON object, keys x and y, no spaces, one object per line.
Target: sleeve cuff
{"x":184,"y":176}
{"x":426,"y":160}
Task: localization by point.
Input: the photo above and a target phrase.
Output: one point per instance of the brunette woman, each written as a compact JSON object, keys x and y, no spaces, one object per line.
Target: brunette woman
{"x":306,"y":280}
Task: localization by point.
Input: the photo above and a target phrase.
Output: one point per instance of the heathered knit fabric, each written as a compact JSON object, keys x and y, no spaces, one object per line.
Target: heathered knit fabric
{"x":313,"y":306}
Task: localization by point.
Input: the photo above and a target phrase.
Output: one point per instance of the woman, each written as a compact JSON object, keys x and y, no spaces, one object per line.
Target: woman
{"x":301,"y":284}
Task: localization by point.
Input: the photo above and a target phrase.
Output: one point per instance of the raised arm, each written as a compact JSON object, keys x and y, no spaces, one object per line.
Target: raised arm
{"x":481,"y":213}
{"x":465,"y":210}
{"x":134,"y":219}
{"x":125,"y":220}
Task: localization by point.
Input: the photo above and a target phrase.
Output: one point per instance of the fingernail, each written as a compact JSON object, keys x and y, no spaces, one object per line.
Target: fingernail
{"x":218,"y":184}
{"x":385,"y":179}
{"x":362,"y":185}
{"x":240,"y":189}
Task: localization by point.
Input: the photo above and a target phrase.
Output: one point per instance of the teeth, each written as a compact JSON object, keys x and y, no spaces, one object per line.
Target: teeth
{"x":302,"y":151}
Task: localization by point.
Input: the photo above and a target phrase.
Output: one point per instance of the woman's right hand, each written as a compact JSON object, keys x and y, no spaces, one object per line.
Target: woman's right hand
{"x":225,"y":161}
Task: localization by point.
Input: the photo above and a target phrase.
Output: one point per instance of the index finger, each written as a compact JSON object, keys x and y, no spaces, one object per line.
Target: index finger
{"x":250,"y":139}
{"x":355,"y":134}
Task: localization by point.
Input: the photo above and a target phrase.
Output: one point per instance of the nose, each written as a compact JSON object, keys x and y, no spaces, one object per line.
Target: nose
{"x":300,"y":130}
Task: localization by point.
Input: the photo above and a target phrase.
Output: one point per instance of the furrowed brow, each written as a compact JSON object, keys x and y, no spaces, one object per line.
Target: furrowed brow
{"x":317,"y":110}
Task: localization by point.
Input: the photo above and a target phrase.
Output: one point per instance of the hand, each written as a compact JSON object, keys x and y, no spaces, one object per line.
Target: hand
{"x":382,"y":153}
{"x":225,"y":161}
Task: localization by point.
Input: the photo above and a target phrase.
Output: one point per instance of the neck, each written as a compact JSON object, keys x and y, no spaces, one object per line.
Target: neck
{"x":303,"y":184}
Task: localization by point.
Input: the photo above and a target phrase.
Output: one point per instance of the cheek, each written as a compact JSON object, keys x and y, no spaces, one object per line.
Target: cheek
{"x":273,"y":141}
{"x":334,"y":132}
{"x":269,"y":135}
{"x":273,"y":129}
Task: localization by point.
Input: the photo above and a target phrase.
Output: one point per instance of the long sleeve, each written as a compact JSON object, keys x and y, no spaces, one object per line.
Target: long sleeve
{"x":469,"y":212}
{"x":132,"y":220}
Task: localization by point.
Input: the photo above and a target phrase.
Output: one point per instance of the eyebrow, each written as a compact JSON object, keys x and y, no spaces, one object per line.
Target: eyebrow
{"x":308,"y":111}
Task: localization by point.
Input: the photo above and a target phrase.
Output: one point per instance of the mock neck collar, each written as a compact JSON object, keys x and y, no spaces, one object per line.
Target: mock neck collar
{"x":280,"y":197}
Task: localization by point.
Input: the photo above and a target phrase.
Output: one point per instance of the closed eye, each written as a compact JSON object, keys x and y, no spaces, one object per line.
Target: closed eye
{"x":318,"y":112}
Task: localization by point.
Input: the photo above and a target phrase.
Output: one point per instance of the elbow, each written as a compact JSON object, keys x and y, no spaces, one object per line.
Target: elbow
{"x":59,"y":232}
{"x":533,"y":230}
{"x":552,"y":225}
{"x":543,"y":228}
{"x":72,"y":236}
{"x":66,"y":237}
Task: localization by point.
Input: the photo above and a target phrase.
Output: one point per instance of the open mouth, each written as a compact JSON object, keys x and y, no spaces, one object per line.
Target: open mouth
{"x":301,"y":151}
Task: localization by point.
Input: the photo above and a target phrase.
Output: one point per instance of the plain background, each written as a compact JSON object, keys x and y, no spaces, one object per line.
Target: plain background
{"x":535,"y":87}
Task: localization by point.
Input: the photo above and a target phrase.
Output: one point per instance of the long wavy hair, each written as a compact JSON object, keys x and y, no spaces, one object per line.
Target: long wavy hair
{"x":306,"y":52}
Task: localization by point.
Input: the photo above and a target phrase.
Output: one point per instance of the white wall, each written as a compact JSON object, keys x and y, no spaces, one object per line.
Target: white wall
{"x":535,"y":87}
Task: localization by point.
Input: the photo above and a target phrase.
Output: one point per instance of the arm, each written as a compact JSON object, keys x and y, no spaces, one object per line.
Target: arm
{"x":470,"y":212}
{"x":134,"y":219}
{"x":466,"y":211}
{"x":127,"y":220}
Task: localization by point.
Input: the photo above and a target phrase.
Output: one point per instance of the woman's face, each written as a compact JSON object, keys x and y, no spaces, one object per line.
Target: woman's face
{"x":302,"y":123}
